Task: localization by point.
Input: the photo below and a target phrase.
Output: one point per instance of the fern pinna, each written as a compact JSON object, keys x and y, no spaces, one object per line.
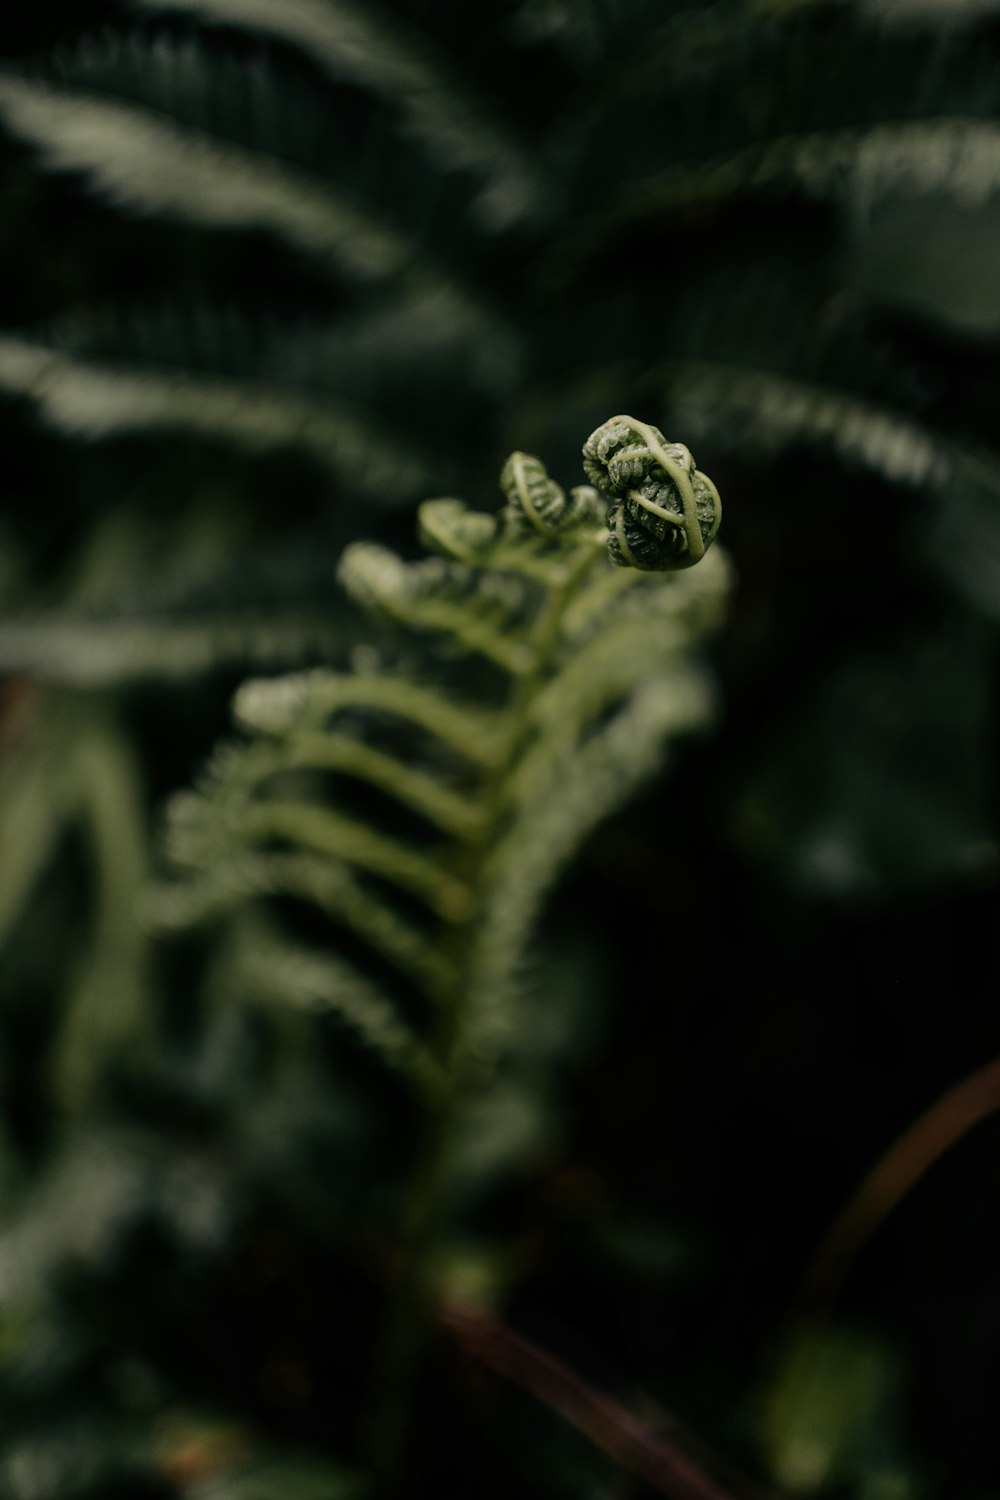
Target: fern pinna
{"x":559,"y":658}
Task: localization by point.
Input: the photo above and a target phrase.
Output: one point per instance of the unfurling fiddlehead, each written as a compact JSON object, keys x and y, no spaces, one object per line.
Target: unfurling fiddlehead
{"x":666,"y":511}
{"x":536,"y":503}
{"x":663,"y":516}
{"x":451,"y":529}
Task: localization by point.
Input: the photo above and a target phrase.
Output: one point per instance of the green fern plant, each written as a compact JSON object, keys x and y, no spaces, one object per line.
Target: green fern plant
{"x":560,"y":659}
{"x":251,"y":306}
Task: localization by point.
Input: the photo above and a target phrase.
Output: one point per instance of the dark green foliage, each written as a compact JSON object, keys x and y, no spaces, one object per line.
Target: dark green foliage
{"x":275,"y":270}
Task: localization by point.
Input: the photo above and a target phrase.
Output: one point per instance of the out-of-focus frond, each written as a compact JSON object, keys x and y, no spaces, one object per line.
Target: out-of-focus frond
{"x":157,"y":599}
{"x":306,"y":701}
{"x":144,"y":161}
{"x":956,"y":156}
{"x":762,"y":374}
{"x":404,"y":350}
{"x":478,"y":614}
{"x":268,"y":969}
{"x":817,"y":99}
{"x":375,"y":48}
{"x":108,"y":1011}
{"x":94,"y":400}
{"x":75,"y":772}
{"x":93,"y":653}
{"x":327,"y":884}
{"x":768,"y":412}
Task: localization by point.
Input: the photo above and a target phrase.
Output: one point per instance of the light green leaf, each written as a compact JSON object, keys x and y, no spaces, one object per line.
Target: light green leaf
{"x":832,"y":1418}
{"x":307,"y":699}
{"x":345,"y":838}
{"x":441,"y":597}
{"x":229,"y":882}
{"x":313,"y":750}
{"x":284,"y":973}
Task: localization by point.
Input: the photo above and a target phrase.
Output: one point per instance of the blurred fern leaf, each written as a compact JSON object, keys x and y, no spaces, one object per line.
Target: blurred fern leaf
{"x":92,"y":399}
{"x":378,"y":49}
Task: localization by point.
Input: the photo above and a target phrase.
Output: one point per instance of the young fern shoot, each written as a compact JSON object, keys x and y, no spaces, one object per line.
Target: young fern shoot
{"x":534,"y":669}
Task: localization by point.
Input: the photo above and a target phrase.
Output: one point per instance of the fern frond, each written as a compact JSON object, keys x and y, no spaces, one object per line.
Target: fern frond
{"x":379,"y":51}
{"x":597,"y":675}
{"x":205,"y":895}
{"x":475,"y":541}
{"x":818,"y":99}
{"x":245,"y":773}
{"x":308,"y":699}
{"x":768,"y":412}
{"x":113,"y":653}
{"x":271,"y":969}
{"x":361,"y":359}
{"x":959,"y":157}
{"x":763,"y":361}
{"x":449,"y":811}
{"x":476,"y":613}
{"x":165,"y":597}
{"x":226,"y":813}
{"x":146,"y":163}
{"x":93,"y":400}
{"x":143,"y":161}
{"x":351,"y":840}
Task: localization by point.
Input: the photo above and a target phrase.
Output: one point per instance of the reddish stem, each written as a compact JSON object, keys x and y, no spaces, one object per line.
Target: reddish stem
{"x":654,"y":1459}
{"x":902,"y":1166}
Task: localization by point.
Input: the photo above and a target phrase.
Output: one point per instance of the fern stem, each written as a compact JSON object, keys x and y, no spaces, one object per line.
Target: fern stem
{"x":653,"y":1457}
{"x":899,"y":1170}
{"x":422,"y":1231}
